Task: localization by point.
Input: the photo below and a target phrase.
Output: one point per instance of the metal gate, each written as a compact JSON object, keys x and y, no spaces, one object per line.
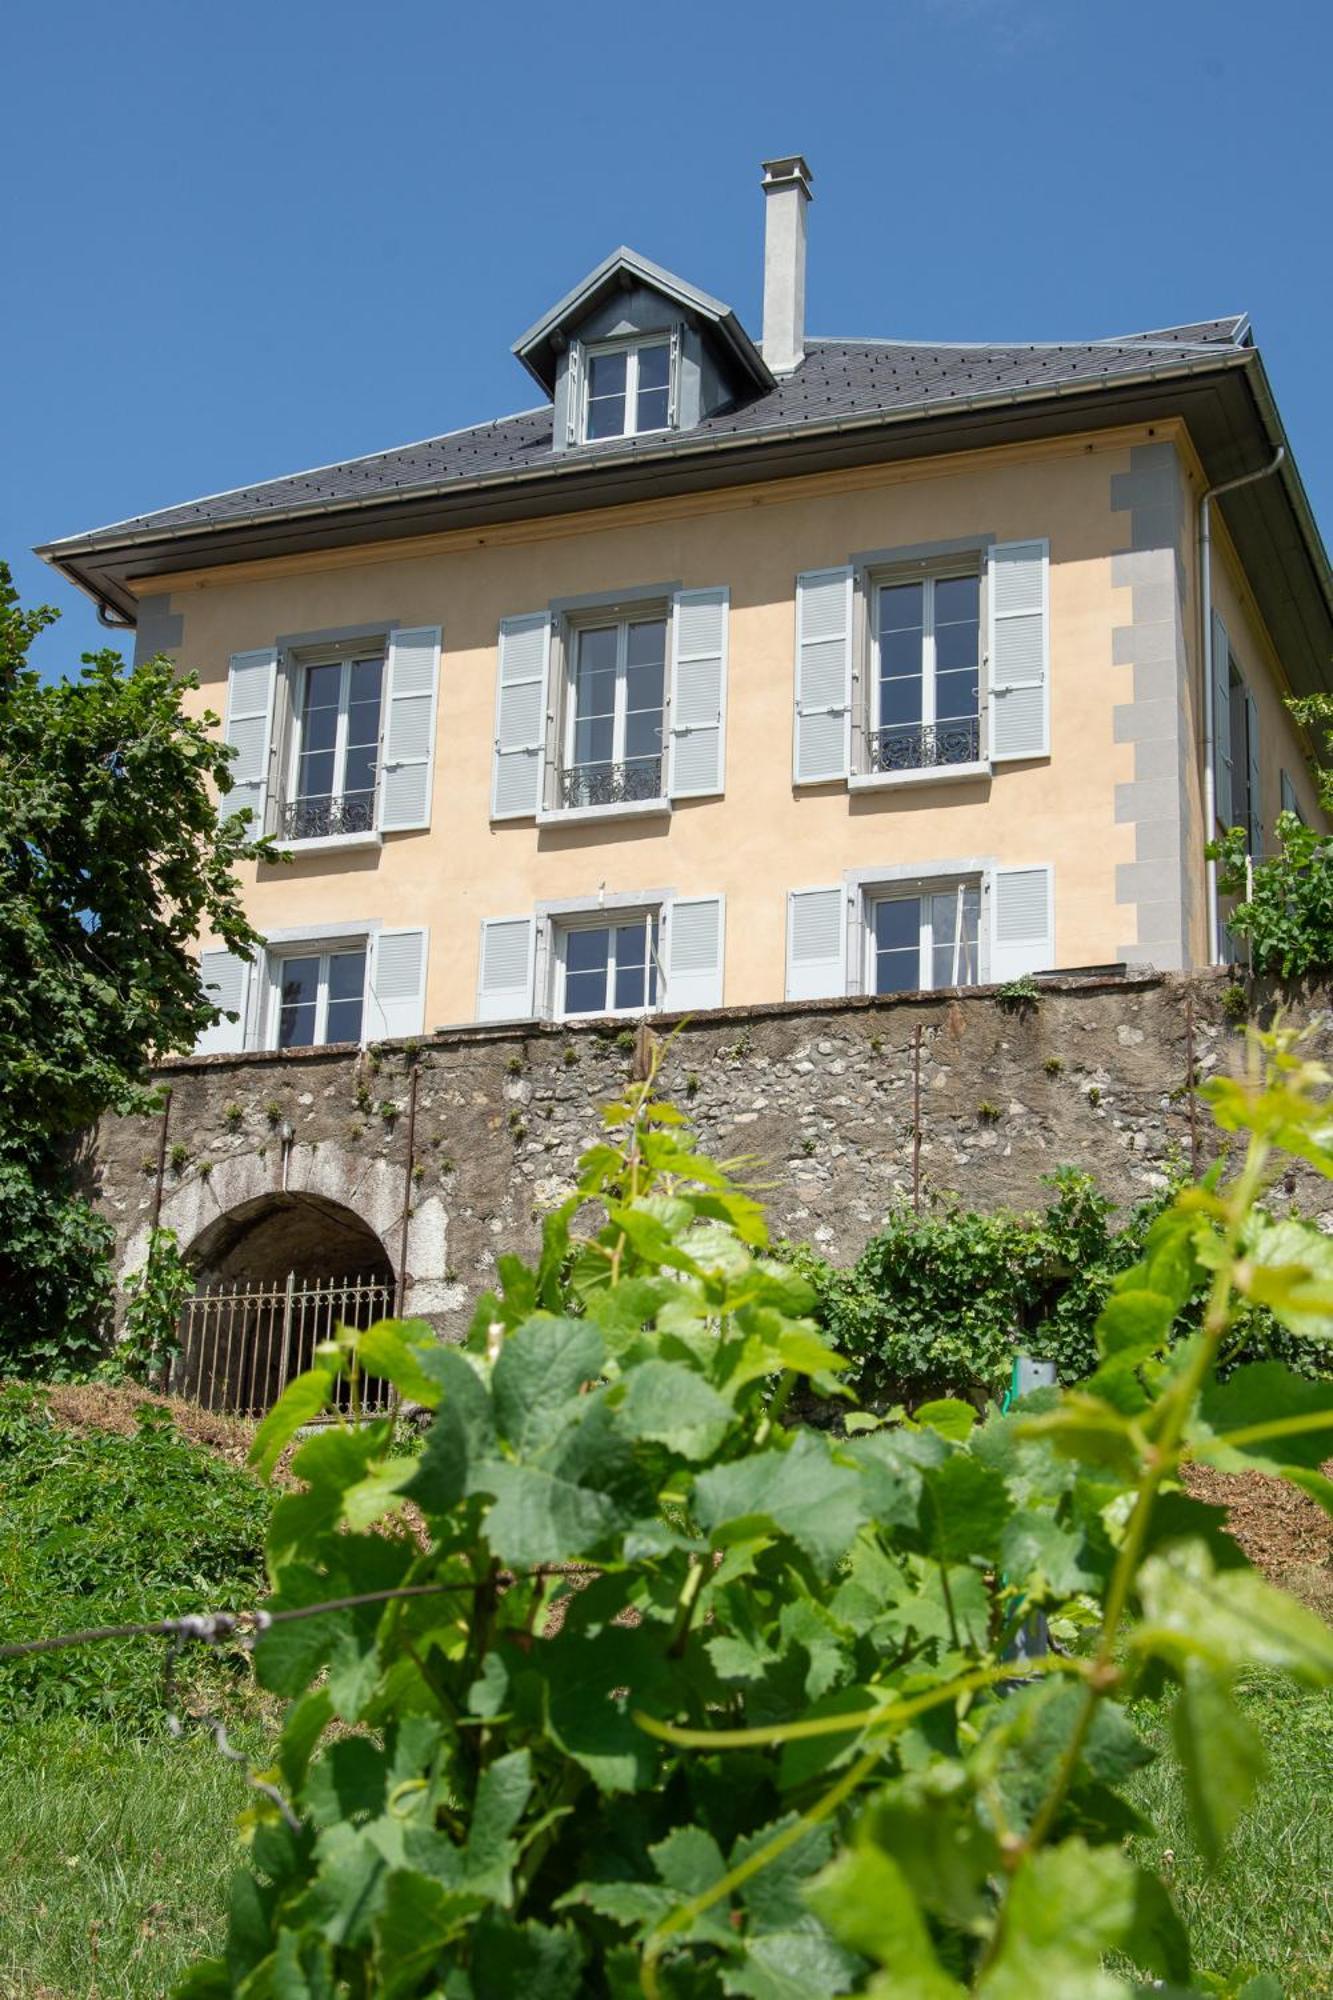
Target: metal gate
{"x":242,"y":1340}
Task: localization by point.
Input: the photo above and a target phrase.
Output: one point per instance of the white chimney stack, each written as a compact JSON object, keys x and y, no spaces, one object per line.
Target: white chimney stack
{"x":786,"y":197}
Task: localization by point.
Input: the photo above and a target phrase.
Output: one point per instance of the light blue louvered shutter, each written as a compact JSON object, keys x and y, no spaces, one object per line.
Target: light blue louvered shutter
{"x":396,"y":984}
{"x":1022,"y":913}
{"x":225,"y":978}
{"x":695,"y":929}
{"x":816,"y":944}
{"x":411,"y":683}
{"x":574,"y":392}
{"x":249,"y":730}
{"x":504,"y":982}
{"x":1221,"y":670}
{"x":520,"y":716}
{"x":1019,"y":645}
{"x":696,"y":756}
{"x":822,"y":738}
{"x":1254,"y":785}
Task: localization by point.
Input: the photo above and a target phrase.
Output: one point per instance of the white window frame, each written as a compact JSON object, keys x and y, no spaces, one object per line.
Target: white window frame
{"x":619,"y":616}
{"x":927,"y":574}
{"x":323,"y":949}
{"x":923,"y":891}
{"x":610,"y":920}
{"x":631,"y":349}
{"x":344,"y":656}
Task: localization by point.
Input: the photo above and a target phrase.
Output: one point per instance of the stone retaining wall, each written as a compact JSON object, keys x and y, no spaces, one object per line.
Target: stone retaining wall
{"x":1093,"y":1074}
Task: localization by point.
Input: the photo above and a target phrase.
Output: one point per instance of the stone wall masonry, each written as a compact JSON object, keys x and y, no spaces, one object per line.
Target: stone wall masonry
{"x":1092,"y":1075}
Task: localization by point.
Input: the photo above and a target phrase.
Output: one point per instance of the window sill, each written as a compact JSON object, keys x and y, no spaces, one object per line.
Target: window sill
{"x":933,"y":774}
{"x":329,"y":843}
{"x":581,"y":815}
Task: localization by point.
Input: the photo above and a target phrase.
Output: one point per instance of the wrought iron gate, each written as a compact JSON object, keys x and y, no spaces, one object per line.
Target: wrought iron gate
{"x":242,"y":1340}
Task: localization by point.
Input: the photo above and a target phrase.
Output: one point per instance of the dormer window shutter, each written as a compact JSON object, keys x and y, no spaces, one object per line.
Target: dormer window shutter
{"x":411,"y":682}
{"x":823,"y":676}
{"x":249,"y":730}
{"x":698,"y":693}
{"x":520,"y":716}
{"x":574,"y":392}
{"x":673,"y":380}
{"x":1019,"y":643}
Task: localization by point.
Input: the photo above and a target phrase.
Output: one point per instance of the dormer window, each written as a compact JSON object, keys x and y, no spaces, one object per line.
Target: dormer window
{"x":628,"y":389}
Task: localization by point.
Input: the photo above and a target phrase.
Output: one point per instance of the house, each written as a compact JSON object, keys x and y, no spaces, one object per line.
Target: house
{"x":737,"y":669}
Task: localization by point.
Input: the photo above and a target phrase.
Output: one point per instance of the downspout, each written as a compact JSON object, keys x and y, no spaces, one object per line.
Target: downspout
{"x":1206,"y":655}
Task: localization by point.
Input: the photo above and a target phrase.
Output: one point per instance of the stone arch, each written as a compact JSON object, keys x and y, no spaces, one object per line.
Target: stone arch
{"x":327,"y":1177}
{"x":272,"y":1235}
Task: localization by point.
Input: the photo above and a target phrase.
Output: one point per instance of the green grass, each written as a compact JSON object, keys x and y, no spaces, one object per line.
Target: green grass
{"x":115,"y":1855}
{"x":1268,"y":1906}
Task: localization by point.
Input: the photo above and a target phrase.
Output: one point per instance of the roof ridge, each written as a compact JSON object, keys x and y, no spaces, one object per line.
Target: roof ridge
{"x":1026,"y":346}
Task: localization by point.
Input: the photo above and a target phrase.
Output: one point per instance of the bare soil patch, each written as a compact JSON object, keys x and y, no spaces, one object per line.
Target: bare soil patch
{"x":1282,"y":1531}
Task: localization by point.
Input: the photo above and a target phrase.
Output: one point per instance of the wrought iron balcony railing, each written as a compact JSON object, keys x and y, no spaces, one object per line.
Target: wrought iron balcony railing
{"x":324,"y":818}
{"x":922,"y":746}
{"x":611,"y":784}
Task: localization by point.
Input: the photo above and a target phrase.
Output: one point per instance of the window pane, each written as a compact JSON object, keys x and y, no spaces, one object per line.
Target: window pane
{"x":645,"y":680}
{"x":953,"y":922}
{"x":347,"y":984}
{"x":321,"y":728}
{"x":956,"y":694}
{"x":606,"y":395}
{"x":587,"y":953}
{"x":900,"y":702}
{"x":897,"y":934}
{"x":367,"y":678}
{"x":363,"y":733}
{"x":299,"y":991}
{"x":897,"y":923}
{"x":900,"y":607}
{"x":631,"y":962}
{"x":323,"y":687}
{"x":654,"y":367}
{"x":652,"y":411}
{"x":314,"y":778}
{"x":595,"y":695}
{"x":957,"y":600}
{"x":654,"y":377}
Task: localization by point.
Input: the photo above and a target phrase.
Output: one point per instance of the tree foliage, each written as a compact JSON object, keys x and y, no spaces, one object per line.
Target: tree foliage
{"x":112,"y":860}
{"x":1286,"y":906}
{"x":698,"y":1702}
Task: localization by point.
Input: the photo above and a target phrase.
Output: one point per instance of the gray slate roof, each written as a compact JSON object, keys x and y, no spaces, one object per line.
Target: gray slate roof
{"x":838,"y":380}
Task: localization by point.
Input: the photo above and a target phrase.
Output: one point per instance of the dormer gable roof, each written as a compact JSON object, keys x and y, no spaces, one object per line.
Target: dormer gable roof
{"x":540,"y":347}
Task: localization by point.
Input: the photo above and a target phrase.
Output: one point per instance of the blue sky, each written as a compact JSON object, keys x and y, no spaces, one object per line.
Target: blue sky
{"x":248,"y":239}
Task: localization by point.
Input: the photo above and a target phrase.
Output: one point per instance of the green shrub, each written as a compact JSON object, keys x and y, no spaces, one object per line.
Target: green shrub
{"x":102,"y":1529}
{"x":939,"y":1304}
{"x":1287,"y":907}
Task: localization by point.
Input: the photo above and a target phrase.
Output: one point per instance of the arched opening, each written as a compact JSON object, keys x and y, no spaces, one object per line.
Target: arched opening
{"x":276,"y":1275}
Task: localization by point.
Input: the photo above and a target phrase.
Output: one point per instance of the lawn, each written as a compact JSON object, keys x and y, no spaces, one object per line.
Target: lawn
{"x":1269,"y":1905}
{"x":115,"y":1856}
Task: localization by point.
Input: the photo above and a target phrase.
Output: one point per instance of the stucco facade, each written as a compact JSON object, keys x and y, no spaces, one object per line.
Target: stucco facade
{"x":1114,"y":809}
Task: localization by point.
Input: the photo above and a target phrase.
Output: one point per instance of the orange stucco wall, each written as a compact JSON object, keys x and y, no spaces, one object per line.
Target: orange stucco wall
{"x":763,"y":837}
